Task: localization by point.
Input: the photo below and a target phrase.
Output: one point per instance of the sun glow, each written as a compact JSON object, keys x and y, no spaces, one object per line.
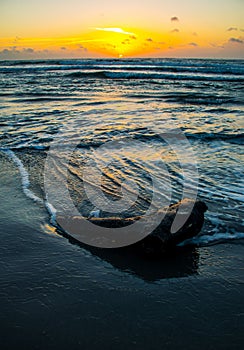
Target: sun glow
{"x":98,"y":41}
{"x":94,"y":28}
{"x":124,"y":42}
{"x":115,"y":30}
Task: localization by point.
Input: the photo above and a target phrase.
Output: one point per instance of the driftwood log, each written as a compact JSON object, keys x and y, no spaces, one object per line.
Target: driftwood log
{"x":161,"y":240}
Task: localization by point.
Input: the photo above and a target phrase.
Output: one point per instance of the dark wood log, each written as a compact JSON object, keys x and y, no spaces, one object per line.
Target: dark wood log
{"x":162,"y":239}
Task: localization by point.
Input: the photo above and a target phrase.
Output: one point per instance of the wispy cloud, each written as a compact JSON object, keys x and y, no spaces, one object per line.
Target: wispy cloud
{"x":16,"y":52}
{"x":193,"y":44}
{"x":231,"y":29}
{"x":86,"y":41}
{"x":149,"y":40}
{"x":116,"y":30}
{"x":174,"y":19}
{"x":236,"y":41}
{"x":28,"y":50}
{"x":81,"y":47}
{"x":217,"y":46}
{"x":16,"y":39}
{"x":9,"y":51}
{"x":126,"y":41}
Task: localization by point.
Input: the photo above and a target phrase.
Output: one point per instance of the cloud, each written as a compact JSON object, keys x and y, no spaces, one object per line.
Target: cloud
{"x":217,"y":46}
{"x":194,"y":34}
{"x":236,"y":41}
{"x":193,"y":44}
{"x":174,"y":19}
{"x":28,"y":50}
{"x":62,"y":48}
{"x":81,"y":47}
{"x":231,"y":29}
{"x":109,"y":45}
{"x":126,"y":42}
{"x":149,"y":40}
{"x":116,"y":30}
{"x":14,"y":52}
{"x":175,"y":30}
{"x":133,"y":37}
{"x":10,"y":51}
{"x":17,"y":39}
{"x":242,"y":30}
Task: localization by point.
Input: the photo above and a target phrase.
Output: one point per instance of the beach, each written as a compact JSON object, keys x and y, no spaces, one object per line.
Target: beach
{"x":174,"y":123}
{"x":56,"y":295}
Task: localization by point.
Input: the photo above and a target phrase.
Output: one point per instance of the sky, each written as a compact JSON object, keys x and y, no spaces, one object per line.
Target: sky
{"x":36,"y":29}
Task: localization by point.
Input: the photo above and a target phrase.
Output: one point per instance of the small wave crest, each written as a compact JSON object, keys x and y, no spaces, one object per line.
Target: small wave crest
{"x":109,"y":74}
{"x":212,"y":238}
{"x":173,"y":66}
{"x":204,"y":240}
{"x":26,"y":184}
{"x":207,"y":137}
{"x":24,"y":176}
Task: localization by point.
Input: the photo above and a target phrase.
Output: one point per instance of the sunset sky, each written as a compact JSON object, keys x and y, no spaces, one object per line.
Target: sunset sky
{"x":31,"y":29}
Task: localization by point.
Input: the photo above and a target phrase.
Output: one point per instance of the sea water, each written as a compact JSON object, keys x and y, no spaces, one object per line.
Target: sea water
{"x":170,"y":127}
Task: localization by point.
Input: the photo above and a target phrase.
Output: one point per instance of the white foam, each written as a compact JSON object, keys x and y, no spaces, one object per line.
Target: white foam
{"x":52,"y":211}
{"x":199,"y":240}
{"x":24,"y":176}
{"x":26,"y":183}
{"x":95,"y":213}
{"x":211,"y":239}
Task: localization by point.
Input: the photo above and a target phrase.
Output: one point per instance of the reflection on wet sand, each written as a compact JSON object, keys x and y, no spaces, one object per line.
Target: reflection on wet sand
{"x":179,"y":262}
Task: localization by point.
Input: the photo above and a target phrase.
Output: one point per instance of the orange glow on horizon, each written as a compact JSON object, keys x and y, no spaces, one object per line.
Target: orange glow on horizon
{"x":114,"y":42}
{"x":95,"y":28}
{"x":111,"y":42}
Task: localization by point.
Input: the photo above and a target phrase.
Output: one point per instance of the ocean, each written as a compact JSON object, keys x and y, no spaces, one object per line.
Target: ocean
{"x":164,"y":128}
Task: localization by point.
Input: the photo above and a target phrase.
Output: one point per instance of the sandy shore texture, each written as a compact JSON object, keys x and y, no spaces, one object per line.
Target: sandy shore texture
{"x":58,"y":295}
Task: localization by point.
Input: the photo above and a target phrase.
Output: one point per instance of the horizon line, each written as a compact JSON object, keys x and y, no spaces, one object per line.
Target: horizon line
{"x":122,"y":58}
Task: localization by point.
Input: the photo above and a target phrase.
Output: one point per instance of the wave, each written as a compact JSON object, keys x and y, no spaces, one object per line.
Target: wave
{"x":145,"y":75}
{"x":141,"y":134}
{"x":216,"y":238}
{"x":230,"y":138}
{"x":25,"y":148}
{"x":234,"y":67}
{"x":26,"y":184}
{"x":126,"y":70}
{"x":150,"y":137}
{"x":203,"y":137}
{"x":194,"y":98}
{"x":24,"y":176}
{"x":201,"y":240}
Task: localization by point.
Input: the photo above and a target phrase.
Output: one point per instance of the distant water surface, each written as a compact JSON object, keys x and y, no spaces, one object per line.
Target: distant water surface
{"x":57,"y":295}
{"x":135,"y":100}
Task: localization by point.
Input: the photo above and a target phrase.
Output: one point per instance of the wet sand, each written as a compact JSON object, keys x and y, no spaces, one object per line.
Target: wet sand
{"x":58,"y":295}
